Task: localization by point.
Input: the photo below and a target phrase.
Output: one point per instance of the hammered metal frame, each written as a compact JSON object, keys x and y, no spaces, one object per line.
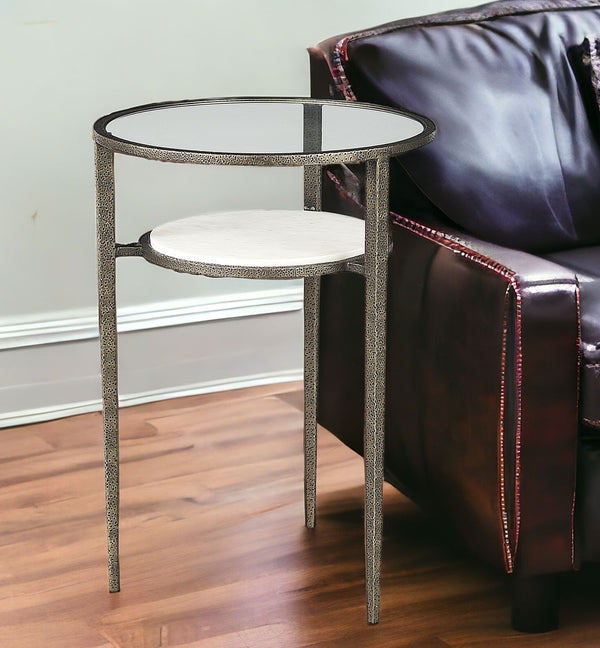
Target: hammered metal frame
{"x":300,"y":158}
{"x":107,"y":318}
{"x":373,"y":266}
{"x":313,"y":126}
{"x":376,"y":270}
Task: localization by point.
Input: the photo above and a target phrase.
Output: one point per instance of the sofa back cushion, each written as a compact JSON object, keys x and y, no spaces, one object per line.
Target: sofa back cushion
{"x":515,"y":160}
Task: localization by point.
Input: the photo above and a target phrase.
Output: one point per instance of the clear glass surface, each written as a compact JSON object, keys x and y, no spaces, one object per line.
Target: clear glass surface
{"x":263,"y":127}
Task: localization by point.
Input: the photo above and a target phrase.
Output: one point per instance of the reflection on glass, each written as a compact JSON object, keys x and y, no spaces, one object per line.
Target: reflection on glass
{"x":260,"y":127}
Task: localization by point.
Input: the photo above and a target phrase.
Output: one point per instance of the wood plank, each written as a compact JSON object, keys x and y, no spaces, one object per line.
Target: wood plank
{"x":214,"y":551}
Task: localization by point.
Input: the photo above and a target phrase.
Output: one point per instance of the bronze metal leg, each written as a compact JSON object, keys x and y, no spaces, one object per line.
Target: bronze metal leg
{"x":376,"y":260}
{"x":107,"y":315}
{"x":312,"y":287}
{"x":311,"y":341}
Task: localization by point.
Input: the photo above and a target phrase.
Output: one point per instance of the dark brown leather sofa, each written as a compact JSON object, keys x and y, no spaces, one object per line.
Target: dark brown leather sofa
{"x":493,"y":408}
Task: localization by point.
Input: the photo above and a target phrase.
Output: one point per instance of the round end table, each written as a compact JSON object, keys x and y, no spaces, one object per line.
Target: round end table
{"x":261,"y":244}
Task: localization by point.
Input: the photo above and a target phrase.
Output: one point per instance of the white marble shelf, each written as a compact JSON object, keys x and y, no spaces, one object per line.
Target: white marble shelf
{"x":261,"y":238}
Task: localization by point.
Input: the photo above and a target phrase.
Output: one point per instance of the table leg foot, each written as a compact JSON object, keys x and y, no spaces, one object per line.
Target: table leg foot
{"x":112,"y":526}
{"x":373,"y":544}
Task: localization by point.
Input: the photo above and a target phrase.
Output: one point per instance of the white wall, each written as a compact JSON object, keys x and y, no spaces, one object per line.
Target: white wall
{"x":65,"y":63}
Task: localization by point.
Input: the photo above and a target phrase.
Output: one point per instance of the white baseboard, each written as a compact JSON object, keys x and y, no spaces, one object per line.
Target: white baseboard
{"x":65,"y":327}
{"x":26,"y":417}
{"x":52,"y":371}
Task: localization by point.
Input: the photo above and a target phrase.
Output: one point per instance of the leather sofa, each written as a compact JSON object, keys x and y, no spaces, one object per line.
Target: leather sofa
{"x":492,"y":405}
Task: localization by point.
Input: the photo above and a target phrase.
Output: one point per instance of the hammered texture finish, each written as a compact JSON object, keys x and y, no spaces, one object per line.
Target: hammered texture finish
{"x":312,"y":187}
{"x":107,"y":316}
{"x":312,"y":127}
{"x":376,"y":268}
{"x":373,"y":264}
{"x":311,"y":370}
{"x":347,"y":156}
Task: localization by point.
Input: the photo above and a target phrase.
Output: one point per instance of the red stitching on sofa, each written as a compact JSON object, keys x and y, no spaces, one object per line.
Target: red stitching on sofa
{"x":501,"y":457}
{"x":338,"y":56}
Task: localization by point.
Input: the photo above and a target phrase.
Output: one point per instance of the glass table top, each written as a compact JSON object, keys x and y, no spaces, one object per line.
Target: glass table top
{"x":260,"y":126}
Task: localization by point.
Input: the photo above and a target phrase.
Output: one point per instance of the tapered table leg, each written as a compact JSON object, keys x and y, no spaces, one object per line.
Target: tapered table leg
{"x":311,"y":342}
{"x":107,"y":315}
{"x":376,"y":260}
{"x":313,"y":123}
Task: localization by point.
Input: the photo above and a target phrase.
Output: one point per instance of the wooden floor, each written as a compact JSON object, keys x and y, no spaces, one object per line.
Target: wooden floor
{"x":214,"y":552}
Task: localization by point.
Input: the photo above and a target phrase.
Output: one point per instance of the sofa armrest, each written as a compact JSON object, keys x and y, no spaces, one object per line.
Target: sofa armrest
{"x":539,"y":385}
{"x":482,"y":396}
